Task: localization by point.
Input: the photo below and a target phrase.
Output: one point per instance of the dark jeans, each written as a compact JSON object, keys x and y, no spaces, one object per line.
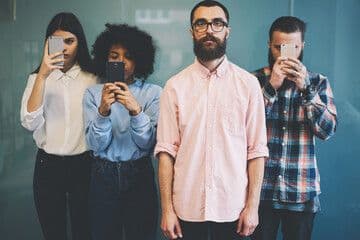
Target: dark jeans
{"x":123,"y":200}
{"x":294,"y":225}
{"x":59,"y":181}
{"x":204,"y":230}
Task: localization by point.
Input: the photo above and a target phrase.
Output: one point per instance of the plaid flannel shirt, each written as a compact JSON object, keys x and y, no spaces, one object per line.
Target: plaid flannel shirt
{"x":293,"y":119}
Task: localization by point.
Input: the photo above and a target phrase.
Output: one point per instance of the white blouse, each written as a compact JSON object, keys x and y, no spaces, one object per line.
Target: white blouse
{"x":57,"y":124}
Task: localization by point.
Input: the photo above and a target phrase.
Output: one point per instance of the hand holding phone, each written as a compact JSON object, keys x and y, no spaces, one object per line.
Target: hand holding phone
{"x":56,"y":44}
{"x":115,"y":72}
{"x":288,"y":50}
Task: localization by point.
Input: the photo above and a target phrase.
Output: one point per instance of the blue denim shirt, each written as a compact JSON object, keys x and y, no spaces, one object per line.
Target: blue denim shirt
{"x":119,"y":136}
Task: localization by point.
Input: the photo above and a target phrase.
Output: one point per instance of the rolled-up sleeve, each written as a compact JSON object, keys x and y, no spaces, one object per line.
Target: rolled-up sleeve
{"x":168,"y":136}
{"x":256,"y":124}
{"x":31,"y":120}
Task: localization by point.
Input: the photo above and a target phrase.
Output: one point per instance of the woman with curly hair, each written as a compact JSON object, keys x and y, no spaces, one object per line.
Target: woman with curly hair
{"x":120,"y":122}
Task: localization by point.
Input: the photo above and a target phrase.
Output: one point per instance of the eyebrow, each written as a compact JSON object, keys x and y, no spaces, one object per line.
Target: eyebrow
{"x":214,"y":19}
{"x":219,"y":19}
{"x":69,"y":38}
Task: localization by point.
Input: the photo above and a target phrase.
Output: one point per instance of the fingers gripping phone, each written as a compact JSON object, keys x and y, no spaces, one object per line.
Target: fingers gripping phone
{"x":56,"y":44}
{"x":115,"y":72}
{"x":288,"y":50}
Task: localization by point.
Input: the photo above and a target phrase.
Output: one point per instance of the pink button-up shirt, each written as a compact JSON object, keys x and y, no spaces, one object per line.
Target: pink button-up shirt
{"x":211,"y":123}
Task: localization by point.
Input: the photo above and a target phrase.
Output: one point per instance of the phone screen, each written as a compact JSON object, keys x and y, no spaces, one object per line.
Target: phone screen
{"x":288,"y":50}
{"x":115,"y":72}
{"x":56,"y":44}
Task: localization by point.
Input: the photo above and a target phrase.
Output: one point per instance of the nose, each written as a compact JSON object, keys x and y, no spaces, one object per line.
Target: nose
{"x":65,"y":48}
{"x":209,"y":29}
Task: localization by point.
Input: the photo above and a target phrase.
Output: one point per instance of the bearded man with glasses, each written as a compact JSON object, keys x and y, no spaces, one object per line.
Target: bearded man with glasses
{"x":211,"y":139}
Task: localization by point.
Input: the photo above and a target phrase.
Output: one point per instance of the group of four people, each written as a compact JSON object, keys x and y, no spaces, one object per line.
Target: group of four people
{"x":214,"y":130}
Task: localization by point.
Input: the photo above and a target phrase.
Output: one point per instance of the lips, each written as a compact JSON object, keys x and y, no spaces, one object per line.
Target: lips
{"x":208,"y":38}
{"x":209,"y":42}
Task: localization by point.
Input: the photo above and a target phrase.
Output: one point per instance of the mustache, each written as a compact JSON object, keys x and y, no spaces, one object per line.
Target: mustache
{"x":209,"y":37}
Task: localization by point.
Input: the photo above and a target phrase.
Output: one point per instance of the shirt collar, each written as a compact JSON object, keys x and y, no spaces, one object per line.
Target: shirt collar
{"x":205,"y":73}
{"x":72,"y":73}
{"x":137,"y":82}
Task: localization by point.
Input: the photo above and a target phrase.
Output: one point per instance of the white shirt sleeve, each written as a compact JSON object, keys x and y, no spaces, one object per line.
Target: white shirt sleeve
{"x":31,"y":120}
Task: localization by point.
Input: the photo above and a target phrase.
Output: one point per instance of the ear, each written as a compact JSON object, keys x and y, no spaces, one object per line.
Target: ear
{"x":269,"y":44}
{"x":228,"y":32}
{"x":303,"y":45}
{"x":191,"y":33}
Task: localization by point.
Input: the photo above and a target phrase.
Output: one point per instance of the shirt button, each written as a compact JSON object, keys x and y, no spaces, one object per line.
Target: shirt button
{"x":283,"y":143}
{"x":280,"y":176}
{"x":283,"y":128}
{"x":285,"y":112}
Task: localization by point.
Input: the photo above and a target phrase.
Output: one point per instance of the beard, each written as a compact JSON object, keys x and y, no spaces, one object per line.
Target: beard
{"x":272,"y":60}
{"x":204,"y":53}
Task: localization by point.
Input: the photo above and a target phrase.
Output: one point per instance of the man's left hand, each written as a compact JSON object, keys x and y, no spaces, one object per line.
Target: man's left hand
{"x":296,"y":72}
{"x":248,"y":221}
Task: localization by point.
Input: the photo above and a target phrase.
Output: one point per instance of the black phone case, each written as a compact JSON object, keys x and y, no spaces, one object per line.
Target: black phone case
{"x":115,"y":72}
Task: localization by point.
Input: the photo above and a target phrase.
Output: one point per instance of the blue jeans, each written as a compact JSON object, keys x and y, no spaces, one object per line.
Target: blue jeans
{"x":123,"y":200}
{"x":294,"y":225}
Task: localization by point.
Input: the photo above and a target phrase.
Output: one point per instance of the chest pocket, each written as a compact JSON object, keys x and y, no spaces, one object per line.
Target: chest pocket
{"x":233,"y":115}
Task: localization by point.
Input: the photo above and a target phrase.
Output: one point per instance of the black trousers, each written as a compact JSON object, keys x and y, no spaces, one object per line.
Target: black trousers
{"x":123,"y":200}
{"x":61,"y":183}
{"x":209,"y":230}
{"x":294,"y":225}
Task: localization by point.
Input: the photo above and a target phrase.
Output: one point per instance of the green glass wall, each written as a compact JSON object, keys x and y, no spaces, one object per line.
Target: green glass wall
{"x":332,"y":48}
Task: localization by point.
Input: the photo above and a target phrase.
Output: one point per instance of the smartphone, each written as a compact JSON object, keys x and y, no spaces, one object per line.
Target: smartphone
{"x":115,"y":71}
{"x":288,"y":50}
{"x":56,"y":44}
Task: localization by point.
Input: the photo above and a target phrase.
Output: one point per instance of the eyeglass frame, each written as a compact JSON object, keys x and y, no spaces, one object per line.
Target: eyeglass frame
{"x":225,"y":24}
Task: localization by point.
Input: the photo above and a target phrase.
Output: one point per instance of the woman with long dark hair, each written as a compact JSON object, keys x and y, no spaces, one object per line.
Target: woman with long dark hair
{"x":120,"y":121}
{"x":52,"y":109}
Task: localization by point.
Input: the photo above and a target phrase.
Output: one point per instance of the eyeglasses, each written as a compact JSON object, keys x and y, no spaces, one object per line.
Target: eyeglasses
{"x":201,"y":25}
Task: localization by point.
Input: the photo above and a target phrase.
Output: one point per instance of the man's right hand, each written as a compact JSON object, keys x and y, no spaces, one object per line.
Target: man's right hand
{"x":107,"y":98}
{"x":277,"y":74}
{"x":170,"y":225}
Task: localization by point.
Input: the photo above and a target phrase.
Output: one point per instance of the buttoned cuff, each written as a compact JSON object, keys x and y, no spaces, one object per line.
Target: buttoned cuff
{"x":102,"y":121}
{"x":139,"y":120}
{"x":269,"y":92}
{"x":308,"y":95}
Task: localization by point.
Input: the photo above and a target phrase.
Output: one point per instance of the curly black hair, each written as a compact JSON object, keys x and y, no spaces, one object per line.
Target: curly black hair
{"x":138,"y":43}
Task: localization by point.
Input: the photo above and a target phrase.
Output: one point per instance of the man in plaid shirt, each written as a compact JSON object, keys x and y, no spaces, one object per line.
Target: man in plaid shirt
{"x":299,"y":107}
